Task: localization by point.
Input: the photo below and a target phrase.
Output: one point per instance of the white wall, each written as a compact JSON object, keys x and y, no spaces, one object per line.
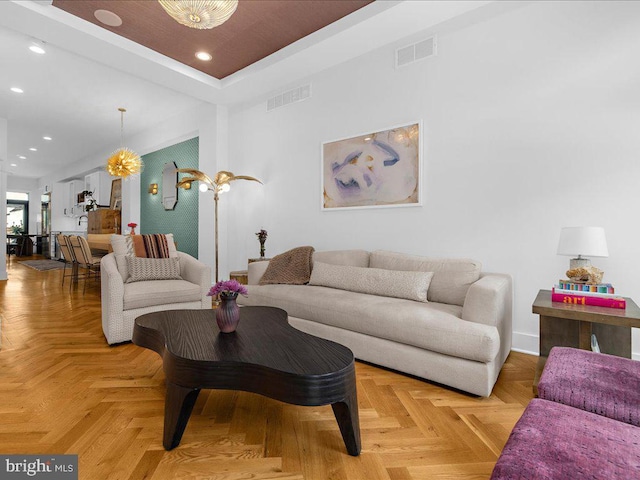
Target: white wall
{"x":531,"y":123}
{"x":3,"y":194}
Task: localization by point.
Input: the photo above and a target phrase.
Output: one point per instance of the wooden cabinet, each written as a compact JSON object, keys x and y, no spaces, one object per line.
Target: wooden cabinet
{"x":104,"y":220}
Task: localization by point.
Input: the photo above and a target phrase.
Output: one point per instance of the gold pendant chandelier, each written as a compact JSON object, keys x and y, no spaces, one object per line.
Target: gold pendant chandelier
{"x":124,"y":162}
{"x":200,"y":14}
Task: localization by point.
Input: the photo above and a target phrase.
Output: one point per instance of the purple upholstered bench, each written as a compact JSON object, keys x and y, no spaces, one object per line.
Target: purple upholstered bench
{"x":552,"y":441}
{"x":594,"y":382}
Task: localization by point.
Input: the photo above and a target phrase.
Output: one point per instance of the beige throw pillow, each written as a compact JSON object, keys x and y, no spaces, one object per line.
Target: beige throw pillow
{"x":374,"y":281}
{"x":143,"y":269}
{"x":452,"y":277}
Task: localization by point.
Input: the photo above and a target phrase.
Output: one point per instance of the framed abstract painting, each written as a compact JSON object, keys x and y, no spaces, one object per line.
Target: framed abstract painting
{"x":373,"y":170}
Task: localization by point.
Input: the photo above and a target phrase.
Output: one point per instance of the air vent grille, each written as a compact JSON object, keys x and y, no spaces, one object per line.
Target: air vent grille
{"x":416,"y":51}
{"x":290,"y":96}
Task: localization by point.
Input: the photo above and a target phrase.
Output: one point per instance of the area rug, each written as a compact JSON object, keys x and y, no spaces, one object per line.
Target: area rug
{"x":43,"y":265}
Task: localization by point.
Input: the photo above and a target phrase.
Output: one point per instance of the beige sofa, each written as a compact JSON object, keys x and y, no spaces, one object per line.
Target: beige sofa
{"x":123,"y":302}
{"x":460,"y":337}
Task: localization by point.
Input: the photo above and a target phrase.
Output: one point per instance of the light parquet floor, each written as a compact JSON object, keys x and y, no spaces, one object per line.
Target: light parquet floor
{"x":64,"y":390}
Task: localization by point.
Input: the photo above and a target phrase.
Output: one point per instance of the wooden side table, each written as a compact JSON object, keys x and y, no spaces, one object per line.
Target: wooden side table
{"x":259,"y":259}
{"x":567,"y":325}
{"x":240,"y":276}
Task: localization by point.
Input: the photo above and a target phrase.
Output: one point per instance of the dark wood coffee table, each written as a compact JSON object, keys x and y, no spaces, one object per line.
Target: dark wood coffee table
{"x":264,"y":355}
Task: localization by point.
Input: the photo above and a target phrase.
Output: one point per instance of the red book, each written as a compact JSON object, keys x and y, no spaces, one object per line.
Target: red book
{"x":611,"y":302}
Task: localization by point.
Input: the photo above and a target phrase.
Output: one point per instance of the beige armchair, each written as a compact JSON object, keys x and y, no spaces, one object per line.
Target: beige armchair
{"x":123,"y":302}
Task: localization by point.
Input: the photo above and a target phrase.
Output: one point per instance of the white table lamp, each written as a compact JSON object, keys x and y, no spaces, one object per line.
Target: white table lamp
{"x":582,"y":241}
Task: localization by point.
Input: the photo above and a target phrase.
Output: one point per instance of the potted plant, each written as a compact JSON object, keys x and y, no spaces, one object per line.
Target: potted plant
{"x":228,"y":312}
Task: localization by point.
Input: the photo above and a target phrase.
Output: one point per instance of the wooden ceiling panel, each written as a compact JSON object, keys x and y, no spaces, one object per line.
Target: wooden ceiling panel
{"x":257,"y":29}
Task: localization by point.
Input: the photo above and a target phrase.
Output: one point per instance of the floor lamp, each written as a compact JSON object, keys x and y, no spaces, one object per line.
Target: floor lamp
{"x":218,"y":185}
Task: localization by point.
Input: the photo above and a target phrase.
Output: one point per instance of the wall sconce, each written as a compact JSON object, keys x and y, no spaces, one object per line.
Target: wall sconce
{"x":153,"y":188}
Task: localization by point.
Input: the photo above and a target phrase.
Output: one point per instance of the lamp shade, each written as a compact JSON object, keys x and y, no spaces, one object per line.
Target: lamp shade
{"x":586,"y":241}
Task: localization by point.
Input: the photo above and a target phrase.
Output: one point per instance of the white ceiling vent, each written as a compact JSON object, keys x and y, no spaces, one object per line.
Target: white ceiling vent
{"x":417,"y":51}
{"x":290,"y":96}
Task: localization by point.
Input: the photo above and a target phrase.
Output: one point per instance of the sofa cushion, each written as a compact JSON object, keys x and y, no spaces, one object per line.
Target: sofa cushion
{"x":145,"y":269}
{"x":123,"y":247}
{"x":432,"y":326}
{"x":374,"y":281}
{"x":160,"y":292}
{"x":355,"y":258}
{"x":451,"y":276}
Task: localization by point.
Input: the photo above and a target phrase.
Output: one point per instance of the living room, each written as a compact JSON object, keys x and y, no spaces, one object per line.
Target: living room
{"x":529,"y":117}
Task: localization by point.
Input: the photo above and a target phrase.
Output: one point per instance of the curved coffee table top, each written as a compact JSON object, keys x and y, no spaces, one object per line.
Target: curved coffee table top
{"x":264,"y":355}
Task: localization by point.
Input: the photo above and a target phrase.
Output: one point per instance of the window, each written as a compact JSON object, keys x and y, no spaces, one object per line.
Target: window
{"x":17,"y":213}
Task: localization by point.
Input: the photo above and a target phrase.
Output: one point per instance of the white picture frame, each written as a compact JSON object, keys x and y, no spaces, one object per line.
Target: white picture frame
{"x":378,"y":169}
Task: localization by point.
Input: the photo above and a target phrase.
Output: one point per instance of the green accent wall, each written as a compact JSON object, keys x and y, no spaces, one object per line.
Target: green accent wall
{"x":182,"y":221}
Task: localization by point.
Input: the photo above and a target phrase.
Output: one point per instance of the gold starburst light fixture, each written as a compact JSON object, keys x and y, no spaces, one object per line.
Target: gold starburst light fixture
{"x":124,"y":162}
{"x":200,"y":14}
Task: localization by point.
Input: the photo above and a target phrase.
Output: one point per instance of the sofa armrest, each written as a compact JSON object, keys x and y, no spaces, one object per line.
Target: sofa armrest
{"x":256,"y":270}
{"x":111,"y":286}
{"x":489,"y":300}
{"x":194,"y":271}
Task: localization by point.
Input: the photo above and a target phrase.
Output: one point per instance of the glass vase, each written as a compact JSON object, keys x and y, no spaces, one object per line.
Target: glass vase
{"x":228,"y":312}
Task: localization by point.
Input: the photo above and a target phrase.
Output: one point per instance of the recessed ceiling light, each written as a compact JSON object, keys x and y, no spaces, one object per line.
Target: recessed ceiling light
{"x":33,"y":149}
{"x":14,"y":165}
{"x":47,"y":138}
{"x":203,"y":56}
{"x":108,"y":18}
{"x":17,"y":90}
{"x":37,"y":47}
{"x":22,"y":157}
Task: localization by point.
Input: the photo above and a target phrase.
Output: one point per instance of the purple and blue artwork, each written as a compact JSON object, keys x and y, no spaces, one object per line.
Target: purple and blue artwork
{"x":373,"y":170}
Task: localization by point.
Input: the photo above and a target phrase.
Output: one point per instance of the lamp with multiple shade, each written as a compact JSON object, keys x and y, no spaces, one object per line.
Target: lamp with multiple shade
{"x":219,"y":184}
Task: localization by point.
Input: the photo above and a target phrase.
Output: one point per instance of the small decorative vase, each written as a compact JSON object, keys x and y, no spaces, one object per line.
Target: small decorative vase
{"x":228,"y":313}
{"x":133,"y":230}
{"x":262,"y":240}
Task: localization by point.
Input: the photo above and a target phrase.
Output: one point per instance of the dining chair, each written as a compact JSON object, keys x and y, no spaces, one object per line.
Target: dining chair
{"x":68,"y":259}
{"x":84,"y":258}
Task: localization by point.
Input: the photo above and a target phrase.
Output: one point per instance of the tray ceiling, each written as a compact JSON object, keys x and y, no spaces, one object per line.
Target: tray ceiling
{"x":257,"y":29}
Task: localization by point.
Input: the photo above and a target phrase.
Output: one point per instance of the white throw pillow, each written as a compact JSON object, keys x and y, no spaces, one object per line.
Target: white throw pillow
{"x":374,"y":281}
{"x":142,"y":269}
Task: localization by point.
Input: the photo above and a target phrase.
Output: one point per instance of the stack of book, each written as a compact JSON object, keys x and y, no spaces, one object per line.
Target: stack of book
{"x":600,"y":295}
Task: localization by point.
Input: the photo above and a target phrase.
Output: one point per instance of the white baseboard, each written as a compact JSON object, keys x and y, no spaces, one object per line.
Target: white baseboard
{"x":528,"y":343}
{"x":525,"y":343}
